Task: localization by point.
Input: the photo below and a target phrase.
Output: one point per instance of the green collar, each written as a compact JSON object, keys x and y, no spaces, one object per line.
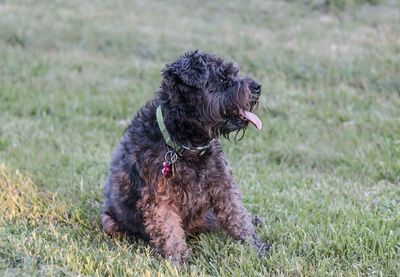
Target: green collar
{"x":178,"y":148}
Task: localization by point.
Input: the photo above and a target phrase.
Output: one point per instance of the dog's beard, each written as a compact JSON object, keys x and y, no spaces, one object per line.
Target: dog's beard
{"x":227,"y":126}
{"x":238,"y":134}
{"x":235,"y":122}
{"x":233,"y":116}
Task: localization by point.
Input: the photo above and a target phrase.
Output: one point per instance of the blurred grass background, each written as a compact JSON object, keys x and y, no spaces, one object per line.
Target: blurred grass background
{"x":324,"y":172}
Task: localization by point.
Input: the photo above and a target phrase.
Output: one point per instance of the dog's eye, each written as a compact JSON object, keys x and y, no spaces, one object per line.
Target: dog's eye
{"x":226,"y":82}
{"x":219,"y":72}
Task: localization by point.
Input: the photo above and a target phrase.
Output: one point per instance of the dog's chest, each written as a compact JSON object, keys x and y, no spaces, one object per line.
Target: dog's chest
{"x":190,"y":187}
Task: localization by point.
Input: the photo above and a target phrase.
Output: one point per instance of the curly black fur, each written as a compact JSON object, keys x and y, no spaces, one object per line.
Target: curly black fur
{"x":201,"y":97}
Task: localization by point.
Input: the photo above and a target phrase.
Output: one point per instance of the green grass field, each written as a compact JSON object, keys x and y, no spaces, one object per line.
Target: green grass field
{"x":324,"y":172}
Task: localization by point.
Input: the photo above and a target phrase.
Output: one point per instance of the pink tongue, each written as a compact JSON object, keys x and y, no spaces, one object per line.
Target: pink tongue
{"x":252,"y":118}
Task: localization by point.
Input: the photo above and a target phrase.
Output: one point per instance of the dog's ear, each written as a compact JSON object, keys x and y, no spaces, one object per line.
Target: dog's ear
{"x":191,"y":69}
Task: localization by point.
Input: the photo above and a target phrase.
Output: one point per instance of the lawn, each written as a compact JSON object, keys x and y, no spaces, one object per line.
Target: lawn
{"x":324,"y":172}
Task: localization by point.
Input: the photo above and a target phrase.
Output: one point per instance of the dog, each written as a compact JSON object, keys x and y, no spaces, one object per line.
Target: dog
{"x":169,"y":178}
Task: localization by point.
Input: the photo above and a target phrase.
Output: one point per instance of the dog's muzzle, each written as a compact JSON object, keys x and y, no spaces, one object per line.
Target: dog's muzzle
{"x":255,"y":90}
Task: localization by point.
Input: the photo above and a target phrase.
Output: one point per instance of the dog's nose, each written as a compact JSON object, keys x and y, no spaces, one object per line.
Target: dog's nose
{"x":256,"y":87}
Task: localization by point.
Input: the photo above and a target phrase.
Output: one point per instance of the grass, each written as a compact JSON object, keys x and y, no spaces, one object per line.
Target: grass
{"x":324,"y":172}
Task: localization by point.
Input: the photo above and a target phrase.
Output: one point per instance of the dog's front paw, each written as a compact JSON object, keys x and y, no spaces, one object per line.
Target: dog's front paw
{"x":258,"y":220}
{"x":177,"y":260}
{"x":263,"y":248}
{"x":179,"y":256}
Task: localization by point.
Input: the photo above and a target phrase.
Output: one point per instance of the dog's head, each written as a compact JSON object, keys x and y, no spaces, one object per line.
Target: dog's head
{"x":204,"y":92}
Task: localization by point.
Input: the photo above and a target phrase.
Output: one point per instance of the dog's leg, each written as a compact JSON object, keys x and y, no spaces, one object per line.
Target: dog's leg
{"x":110,"y":226}
{"x":205,"y":222}
{"x":234,"y":218}
{"x":164,"y":227}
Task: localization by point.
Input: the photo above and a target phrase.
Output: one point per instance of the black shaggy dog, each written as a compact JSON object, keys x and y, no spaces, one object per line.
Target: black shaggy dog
{"x":169,"y":177}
